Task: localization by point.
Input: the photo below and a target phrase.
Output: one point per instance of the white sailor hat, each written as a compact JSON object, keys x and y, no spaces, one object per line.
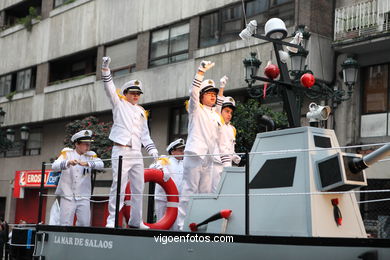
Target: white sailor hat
{"x":132,"y":86}
{"x":229,"y":102}
{"x":208,"y":85}
{"x":82,"y":136}
{"x":179,"y":143}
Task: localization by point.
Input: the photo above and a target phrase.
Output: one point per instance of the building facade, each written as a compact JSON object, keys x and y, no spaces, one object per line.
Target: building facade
{"x":51,"y":53}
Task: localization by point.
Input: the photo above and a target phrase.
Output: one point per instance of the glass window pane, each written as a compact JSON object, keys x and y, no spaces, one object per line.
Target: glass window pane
{"x":159,"y":45}
{"x":179,"y":57}
{"x":34,"y":141}
{"x":159,"y":62}
{"x":20,"y":80}
{"x":179,"y":38}
{"x":27,"y":79}
{"x":375,"y":82}
{"x":8,"y":82}
{"x":209,"y":30}
{"x":256,"y":7}
{"x":279,"y":2}
{"x":2,"y":86}
{"x":122,"y":54}
{"x":176,"y":121}
{"x":184,"y":122}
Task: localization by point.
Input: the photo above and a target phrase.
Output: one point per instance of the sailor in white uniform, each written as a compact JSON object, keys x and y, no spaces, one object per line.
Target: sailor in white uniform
{"x":129,"y":132}
{"x":225,"y":106}
{"x":74,"y":186}
{"x":173,"y":168}
{"x":203,"y":135}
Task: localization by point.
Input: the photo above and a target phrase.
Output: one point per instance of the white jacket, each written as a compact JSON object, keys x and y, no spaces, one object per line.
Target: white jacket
{"x":227,"y":141}
{"x":130,"y":121}
{"x":174,"y":168}
{"x":203,"y":126}
{"x":75,"y":180}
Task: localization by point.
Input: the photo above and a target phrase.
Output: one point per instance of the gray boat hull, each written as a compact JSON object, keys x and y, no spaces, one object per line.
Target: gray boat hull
{"x":103,"y":243}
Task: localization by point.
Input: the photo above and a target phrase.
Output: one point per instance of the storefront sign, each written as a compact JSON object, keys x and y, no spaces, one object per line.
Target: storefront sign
{"x":31,"y":179}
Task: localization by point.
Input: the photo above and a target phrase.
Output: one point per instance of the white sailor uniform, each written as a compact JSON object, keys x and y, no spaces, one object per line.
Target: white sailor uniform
{"x":130,"y":131}
{"x":74,"y":186}
{"x":203,"y":134}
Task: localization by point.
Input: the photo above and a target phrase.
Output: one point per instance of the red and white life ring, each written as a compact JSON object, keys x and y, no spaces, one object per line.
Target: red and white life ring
{"x":156,"y":176}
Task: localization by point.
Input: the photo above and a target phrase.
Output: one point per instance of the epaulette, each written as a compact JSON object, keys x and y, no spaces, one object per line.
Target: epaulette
{"x":64,"y":151}
{"x":118,"y":92}
{"x":186,"y":104}
{"x":163,"y":161}
{"x":234,"y":131}
{"x":91,"y":154}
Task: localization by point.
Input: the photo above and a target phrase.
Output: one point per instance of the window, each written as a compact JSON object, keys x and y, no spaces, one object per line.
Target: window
{"x":17,"y":82}
{"x":15,"y":14}
{"x":225,"y":24}
{"x":34,"y":143}
{"x":58,"y":3}
{"x":123,"y":57}
{"x":76,"y":66}
{"x":375,"y":104}
{"x":169,"y":45}
{"x":179,"y":124}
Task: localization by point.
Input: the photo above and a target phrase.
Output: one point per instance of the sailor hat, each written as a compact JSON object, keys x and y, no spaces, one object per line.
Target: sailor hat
{"x":82,"y":136}
{"x":229,"y":102}
{"x":208,"y":85}
{"x":132,"y":86}
{"x":179,"y":143}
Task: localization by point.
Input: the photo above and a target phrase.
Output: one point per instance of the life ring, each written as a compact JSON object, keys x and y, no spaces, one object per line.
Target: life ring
{"x":156,"y":176}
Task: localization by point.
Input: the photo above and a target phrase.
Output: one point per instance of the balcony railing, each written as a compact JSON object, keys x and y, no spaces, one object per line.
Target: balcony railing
{"x":362,"y":20}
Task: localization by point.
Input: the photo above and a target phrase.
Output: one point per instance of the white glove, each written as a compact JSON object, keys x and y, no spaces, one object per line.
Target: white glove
{"x":223,"y":81}
{"x":206,"y":65}
{"x":155,"y":155}
{"x":236,"y":159}
{"x":166,"y":176}
{"x":106,"y":62}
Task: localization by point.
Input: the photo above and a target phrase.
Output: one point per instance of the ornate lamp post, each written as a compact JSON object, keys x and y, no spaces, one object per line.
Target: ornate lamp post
{"x":293,"y":90}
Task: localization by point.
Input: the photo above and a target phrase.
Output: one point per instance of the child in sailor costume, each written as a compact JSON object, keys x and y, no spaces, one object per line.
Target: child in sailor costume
{"x":74,"y":186}
{"x":203,"y":135}
{"x":173,"y":168}
{"x":225,"y":106}
{"x":129,"y":132}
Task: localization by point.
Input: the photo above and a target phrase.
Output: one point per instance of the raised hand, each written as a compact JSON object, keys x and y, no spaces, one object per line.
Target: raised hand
{"x":106,"y":62}
{"x":206,"y":65}
{"x":223,"y":81}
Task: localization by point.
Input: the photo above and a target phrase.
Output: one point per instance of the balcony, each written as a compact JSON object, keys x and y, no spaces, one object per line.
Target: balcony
{"x":362,"y":20}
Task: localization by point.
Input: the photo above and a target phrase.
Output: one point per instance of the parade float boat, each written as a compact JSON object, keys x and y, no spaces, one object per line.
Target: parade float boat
{"x":295,"y":199}
{"x":292,"y":200}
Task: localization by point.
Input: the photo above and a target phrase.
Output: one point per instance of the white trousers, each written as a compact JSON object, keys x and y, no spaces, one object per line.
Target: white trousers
{"x":197,"y":179}
{"x":70,"y":207}
{"x":217,"y":172}
{"x":133,"y":171}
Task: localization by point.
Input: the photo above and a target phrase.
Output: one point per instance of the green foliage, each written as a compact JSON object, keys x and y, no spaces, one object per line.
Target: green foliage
{"x":10,"y":95}
{"x":27,"y":21}
{"x":5,"y":144}
{"x":102,"y":145}
{"x":245,"y":120}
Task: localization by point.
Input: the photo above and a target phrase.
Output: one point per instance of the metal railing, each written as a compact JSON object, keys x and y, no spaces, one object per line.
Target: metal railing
{"x":362,"y":19}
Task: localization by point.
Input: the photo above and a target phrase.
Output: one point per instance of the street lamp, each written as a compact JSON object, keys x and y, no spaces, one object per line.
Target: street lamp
{"x":302,"y":84}
{"x":252,"y":65}
{"x":24,"y":133}
{"x":10,"y":133}
{"x":350,"y":69}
